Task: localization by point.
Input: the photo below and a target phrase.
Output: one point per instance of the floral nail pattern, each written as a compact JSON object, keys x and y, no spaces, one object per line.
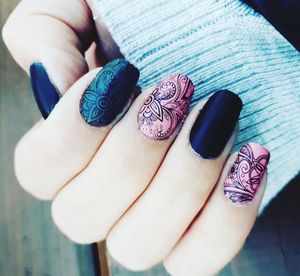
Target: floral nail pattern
{"x":109,"y":93}
{"x":166,"y":107}
{"x":246,"y":173}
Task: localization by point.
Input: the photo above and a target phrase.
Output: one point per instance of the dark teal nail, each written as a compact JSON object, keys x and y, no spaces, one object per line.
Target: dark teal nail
{"x":45,"y":93}
{"x":109,"y":93}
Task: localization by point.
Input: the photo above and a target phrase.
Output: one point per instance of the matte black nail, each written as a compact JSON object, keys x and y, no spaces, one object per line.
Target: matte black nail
{"x":109,"y":93}
{"x":215,"y":124}
{"x":44,"y":91}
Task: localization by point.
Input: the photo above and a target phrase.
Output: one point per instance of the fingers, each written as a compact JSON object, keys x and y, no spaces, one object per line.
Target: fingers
{"x":181,"y":186}
{"x":125,"y":163}
{"x":57,"y":149}
{"x":222,"y":227}
{"x":53,"y":32}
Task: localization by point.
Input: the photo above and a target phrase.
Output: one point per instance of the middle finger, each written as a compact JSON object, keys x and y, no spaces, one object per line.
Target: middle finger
{"x":181,"y":186}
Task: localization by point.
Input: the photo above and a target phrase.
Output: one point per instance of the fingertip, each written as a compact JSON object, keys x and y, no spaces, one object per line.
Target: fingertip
{"x":125,"y":257}
{"x":25,"y":168}
{"x":73,"y":225}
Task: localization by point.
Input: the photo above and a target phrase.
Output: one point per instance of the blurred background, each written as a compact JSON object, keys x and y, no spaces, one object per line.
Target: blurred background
{"x":32,"y":246}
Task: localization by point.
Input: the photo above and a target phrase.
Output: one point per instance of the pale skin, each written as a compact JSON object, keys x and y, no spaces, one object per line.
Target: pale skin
{"x":112,"y":182}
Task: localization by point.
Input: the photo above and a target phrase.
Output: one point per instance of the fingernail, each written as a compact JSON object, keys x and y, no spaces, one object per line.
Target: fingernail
{"x":45,"y":93}
{"x":166,"y":107}
{"x":215,"y":124}
{"x":246,"y":174}
{"x":109,"y":93}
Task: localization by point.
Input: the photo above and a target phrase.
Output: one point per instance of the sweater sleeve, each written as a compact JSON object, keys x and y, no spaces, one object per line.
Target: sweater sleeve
{"x":283,"y":14}
{"x":219,"y":45}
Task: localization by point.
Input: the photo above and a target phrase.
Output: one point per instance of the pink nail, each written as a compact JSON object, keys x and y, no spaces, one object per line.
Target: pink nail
{"x":166,"y":107}
{"x":246,"y":174}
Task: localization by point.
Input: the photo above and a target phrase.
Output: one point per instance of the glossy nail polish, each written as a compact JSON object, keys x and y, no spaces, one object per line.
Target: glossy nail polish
{"x":215,"y":124}
{"x":246,"y":174}
{"x":166,"y":107}
{"x":44,"y":91}
{"x":109,"y":93}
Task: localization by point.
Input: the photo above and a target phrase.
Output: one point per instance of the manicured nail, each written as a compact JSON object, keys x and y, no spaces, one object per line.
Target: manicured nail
{"x":246,"y":174}
{"x":166,"y":107}
{"x":45,"y":93}
{"x":109,"y":93}
{"x":215,"y":124}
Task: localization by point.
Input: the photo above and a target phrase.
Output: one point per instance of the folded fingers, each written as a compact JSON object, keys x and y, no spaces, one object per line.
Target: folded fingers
{"x":57,"y":149}
{"x":56,"y":33}
{"x":153,"y":225}
{"x":132,"y":181}
{"x":125,"y":164}
{"x":220,"y":231}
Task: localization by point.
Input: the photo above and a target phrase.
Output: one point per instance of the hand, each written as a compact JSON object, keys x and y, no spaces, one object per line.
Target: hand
{"x":143,"y":194}
{"x":57,"y":34}
{"x":140,"y":193}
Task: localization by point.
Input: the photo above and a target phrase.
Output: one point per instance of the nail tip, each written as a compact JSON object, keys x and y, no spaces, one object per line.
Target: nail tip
{"x":233,"y":96}
{"x":259,"y":146}
{"x":184,"y":77}
{"x":127,"y":65}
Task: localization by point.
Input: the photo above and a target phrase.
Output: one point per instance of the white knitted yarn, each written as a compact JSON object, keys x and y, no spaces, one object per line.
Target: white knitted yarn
{"x":219,"y":45}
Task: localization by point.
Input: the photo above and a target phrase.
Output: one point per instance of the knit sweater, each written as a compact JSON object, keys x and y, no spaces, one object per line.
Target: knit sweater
{"x":283,"y":15}
{"x":219,"y":44}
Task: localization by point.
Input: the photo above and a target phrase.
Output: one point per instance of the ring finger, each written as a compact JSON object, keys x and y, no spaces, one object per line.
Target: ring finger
{"x":221,"y":229}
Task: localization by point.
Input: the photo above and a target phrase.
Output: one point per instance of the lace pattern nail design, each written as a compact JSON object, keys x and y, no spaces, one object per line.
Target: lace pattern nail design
{"x":109,"y":93}
{"x":166,"y":107}
{"x":246,"y":173}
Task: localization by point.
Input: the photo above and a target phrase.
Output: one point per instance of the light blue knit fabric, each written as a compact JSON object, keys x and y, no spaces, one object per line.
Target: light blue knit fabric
{"x":219,"y":44}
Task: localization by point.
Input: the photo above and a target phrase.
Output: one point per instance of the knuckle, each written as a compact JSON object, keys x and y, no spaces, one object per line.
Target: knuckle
{"x":19,"y":160}
{"x":128,"y":256}
{"x":74,"y":221}
{"x":8,"y":32}
{"x":22,"y":164}
{"x":27,"y":169}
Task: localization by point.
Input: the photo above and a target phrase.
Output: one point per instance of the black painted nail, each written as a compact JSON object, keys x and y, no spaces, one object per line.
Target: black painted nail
{"x":215,"y":124}
{"x":45,"y":93}
{"x":109,"y":93}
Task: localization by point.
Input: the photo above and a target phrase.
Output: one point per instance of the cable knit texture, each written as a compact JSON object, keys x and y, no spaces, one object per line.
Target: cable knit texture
{"x":219,"y":45}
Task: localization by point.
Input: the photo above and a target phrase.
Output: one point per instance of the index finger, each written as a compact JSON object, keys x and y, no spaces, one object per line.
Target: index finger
{"x":53,"y":32}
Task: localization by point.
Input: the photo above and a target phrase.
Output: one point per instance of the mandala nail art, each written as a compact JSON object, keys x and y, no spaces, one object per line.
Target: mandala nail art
{"x":246,"y":174}
{"x":166,"y":107}
{"x":109,"y":93}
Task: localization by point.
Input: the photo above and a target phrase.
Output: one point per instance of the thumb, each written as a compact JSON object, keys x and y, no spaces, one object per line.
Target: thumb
{"x":48,"y":40}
